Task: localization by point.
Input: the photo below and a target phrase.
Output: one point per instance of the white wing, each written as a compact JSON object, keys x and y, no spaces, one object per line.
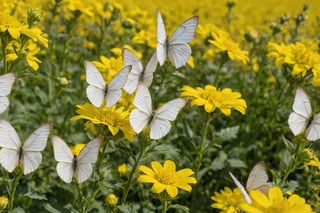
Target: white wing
{"x":138,"y":120}
{"x":170,"y":110}
{"x":87,"y":156}
{"x":160,"y":124}
{"x":4,"y":103}
{"x":185,"y":32}
{"x":6,"y":82}
{"x":10,"y":143}
{"x":179,"y":53}
{"x":162,"y":40}
{"x":133,"y":78}
{"x":258,"y":178}
{"x":31,"y":156}
{"x":64,"y":156}
{"x":114,"y":88}
{"x":313,"y":130}
{"x":242,"y":189}
{"x":97,"y":86}
{"x":151,"y":67}
{"x":302,"y":112}
{"x":159,"y":128}
{"x":142,"y":100}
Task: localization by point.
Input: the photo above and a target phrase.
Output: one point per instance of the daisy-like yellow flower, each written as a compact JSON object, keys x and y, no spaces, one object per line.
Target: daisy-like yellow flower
{"x":211,"y":98}
{"x":228,"y":200}
{"x":11,"y":25}
{"x":223,"y":43}
{"x":76,"y":149}
{"x":166,"y":178}
{"x":114,"y":118}
{"x":276,"y":202}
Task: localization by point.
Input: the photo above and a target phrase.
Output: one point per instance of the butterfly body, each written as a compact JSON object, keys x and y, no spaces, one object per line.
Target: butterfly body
{"x":302,"y":120}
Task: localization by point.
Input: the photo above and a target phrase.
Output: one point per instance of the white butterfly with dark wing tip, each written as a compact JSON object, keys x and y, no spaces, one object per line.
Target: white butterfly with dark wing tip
{"x":6,"y":82}
{"x":157,"y":121}
{"x":138,"y":74}
{"x":176,"y":47}
{"x":257,"y":180}
{"x":98,"y":91}
{"x":302,"y":119}
{"x":80,"y":165}
{"x":27,"y":155}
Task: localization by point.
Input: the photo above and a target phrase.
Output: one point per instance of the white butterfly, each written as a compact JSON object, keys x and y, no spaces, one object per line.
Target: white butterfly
{"x":176,"y":47}
{"x":302,"y":120}
{"x":6,"y":82}
{"x":138,"y":74}
{"x":80,"y":165}
{"x":257,"y":180}
{"x":27,"y":155}
{"x":98,"y":91}
{"x":158,"y":121}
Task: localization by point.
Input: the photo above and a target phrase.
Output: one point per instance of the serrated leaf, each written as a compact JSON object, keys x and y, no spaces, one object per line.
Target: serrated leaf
{"x":127,"y":209}
{"x":218,"y":162}
{"x":289,"y":145}
{"x":180,"y":207}
{"x":228,"y":133}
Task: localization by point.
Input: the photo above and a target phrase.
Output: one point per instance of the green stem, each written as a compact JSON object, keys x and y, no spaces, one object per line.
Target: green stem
{"x":164,"y":206}
{"x":4,"y":53}
{"x":201,"y":148}
{"x":131,"y":177}
{"x":13,"y":190}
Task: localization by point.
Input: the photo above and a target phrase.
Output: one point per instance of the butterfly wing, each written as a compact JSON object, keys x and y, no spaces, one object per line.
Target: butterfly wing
{"x":313,"y":130}
{"x":10,"y":143}
{"x":114,"y":88}
{"x":64,"y":156}
{"x":31,"y":156}
{"x":160,"y":124}
{"x":162,"y":40}
{"x":133,"y":78}
{"x":242,"y":189}
{"x":139,"y":118}
{"x":149,"y":70}
{"x":97,"y":86}
{"x":6,"y":82}
{"x":87,"y":156}
{"x":179,"y":51}
{"x":258,"y":178}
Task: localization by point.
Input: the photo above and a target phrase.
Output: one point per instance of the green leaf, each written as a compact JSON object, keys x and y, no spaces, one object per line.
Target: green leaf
{"x":179,"y":207}
{"x":228,"y":133}
{"x":34,"y":195}
{"x":236,"y":163}
{"x":50,"y":208}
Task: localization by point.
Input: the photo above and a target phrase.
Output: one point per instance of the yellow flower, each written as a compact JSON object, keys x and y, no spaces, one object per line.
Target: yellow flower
{"x":114,"y":118}
{"x":111,"y":199}
{"x":314,"y":161}
{"x":108,"y":67}
{"x":123,"y":170}
{"x":166,"y":178}
{"x":275,"y":202}
{"x":76,"y":149}
{"x":227,"y":200}
{"x":3,"y":202}
{"x":223,"y":43}
{"x":10,"y":24}
{"x":211,"y":98}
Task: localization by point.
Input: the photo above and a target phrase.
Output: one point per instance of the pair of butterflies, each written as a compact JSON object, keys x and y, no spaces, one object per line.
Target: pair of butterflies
{"x":257,"y":180}
{"x":158,"y":121}
{"x":6,"y":82}
{"x":302,"y":120}
{"x":29,"y":157}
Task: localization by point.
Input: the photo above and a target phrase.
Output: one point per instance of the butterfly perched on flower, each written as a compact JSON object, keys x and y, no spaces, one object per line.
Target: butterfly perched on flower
{"x":176,"y":46}
{"x":257,"y":180}
{"x":302,"y":120}
{"x":98,"y":91}
{"x":157,"y":121}
{"x":138,"y":74}
{"x":27,"y":155}
{"x":80,"y":165}
{"x":6,"y":82}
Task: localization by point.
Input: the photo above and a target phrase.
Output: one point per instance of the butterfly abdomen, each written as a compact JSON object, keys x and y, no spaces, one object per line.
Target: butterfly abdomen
{"x":74,"y":163}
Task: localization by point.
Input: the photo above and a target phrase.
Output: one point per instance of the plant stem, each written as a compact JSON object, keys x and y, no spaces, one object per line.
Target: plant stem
{"x":135,"y":166}
{"x":13,"y":190}
{"x":164,"y":206}
{"x":202,"y":144}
